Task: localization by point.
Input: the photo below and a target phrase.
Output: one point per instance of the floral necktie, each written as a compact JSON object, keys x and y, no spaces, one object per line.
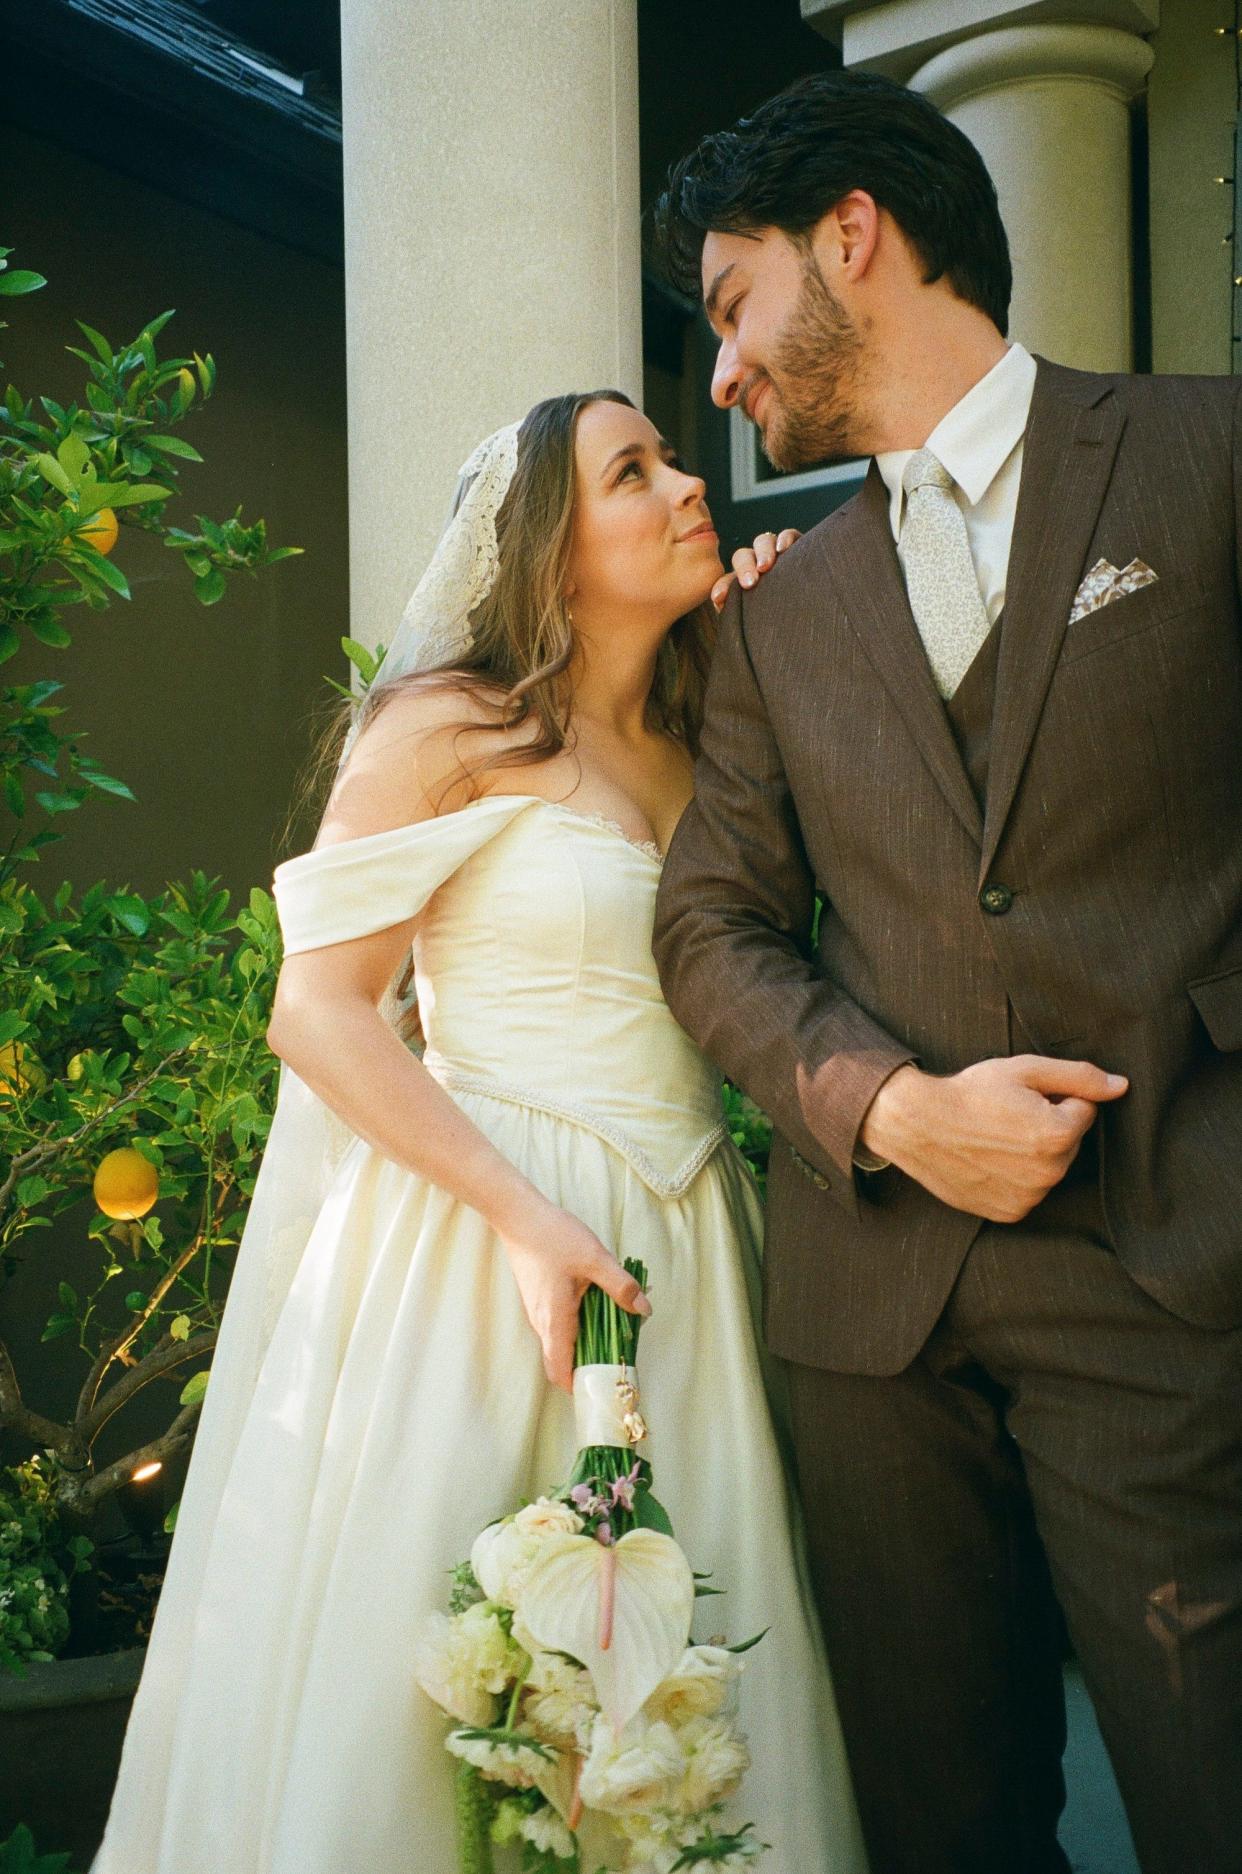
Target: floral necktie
{"x":940,"y":574}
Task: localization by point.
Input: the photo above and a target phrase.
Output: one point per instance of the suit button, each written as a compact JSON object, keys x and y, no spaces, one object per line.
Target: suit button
{"x":996,"y":900}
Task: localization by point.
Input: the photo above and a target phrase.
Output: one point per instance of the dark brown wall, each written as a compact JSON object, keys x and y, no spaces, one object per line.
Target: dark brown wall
{"x":203,"y":712}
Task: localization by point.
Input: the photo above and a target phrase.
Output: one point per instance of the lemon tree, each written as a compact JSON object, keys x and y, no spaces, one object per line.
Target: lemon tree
{"x":139,"y":1098}
{"x":136,"y":1085}
{"x":73,"y":479}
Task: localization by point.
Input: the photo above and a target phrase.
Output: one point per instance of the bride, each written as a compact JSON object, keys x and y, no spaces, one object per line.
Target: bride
{"x":395,"y":1357}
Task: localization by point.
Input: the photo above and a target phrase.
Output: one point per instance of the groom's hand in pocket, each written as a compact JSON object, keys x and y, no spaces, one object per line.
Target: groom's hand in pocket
{"x":751,"y":563}
{"x":994,"y":1139}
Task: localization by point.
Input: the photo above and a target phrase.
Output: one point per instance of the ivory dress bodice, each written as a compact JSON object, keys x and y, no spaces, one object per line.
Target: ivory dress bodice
{"x":533,"y":964}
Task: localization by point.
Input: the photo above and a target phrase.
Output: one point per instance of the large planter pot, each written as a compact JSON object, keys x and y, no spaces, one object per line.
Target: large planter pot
{"x":61,"y":1727}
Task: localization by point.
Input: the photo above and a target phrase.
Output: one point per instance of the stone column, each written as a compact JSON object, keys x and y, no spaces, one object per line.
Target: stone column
{"x":1048,"y":107}
{"x":492,"y":247}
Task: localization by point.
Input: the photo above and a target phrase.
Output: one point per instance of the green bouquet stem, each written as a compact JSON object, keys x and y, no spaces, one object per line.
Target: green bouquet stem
{"x":608,"y":1336}
{"x":474,"y":1841}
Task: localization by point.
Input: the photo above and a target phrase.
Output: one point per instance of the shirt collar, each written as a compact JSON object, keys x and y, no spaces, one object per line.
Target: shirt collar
{"x":976,"y":437}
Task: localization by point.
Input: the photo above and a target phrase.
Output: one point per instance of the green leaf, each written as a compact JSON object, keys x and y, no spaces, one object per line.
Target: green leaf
{"x":58,"y":1325}
{"x":180,"y":1329}
{"x":68,"y":1297}
{"x":49,"y":630}
{"x":73,"y":456}
{"x":97,"y":339}
{"x":20,"y":280}
{"x":136,"y":494}
{"x":156,"y":325}
{"x":106,"y":783}
{"x":51,"y":471}
{"x":10,"y":642}
{"x":170,"y":1521}
{"x":210,"y":586}
{"x":17,"y":1854}
{"x":130,"y":911}
{"x":31,"y":1190}
{"x":103,"y":569}
{"x":58,"y":803}
{"x":744,"y":1646}
{"x":173,"y":445}
{"x":194,"y":1388}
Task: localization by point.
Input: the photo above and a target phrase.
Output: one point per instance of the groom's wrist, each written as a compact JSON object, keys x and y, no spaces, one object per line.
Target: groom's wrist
{"x":886,"y":1123}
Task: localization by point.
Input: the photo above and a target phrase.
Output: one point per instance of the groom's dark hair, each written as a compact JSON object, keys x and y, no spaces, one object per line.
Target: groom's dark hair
{"x":793,"y":160}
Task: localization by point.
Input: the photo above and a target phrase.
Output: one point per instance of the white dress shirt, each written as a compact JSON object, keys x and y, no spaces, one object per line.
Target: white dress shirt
{"x":980,"y":443}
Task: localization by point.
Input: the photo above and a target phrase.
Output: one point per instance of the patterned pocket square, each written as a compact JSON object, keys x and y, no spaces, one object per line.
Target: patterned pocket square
{"x":1105,"y":582}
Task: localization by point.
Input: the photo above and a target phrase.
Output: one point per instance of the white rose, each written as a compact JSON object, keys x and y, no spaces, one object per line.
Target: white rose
{"x":656,"y":1841}
{"x":514,"y":1764}
{"x":504,"y":1552}
{"x":640,"y":1769}
{"x":703,"y":1683}
{"x":560,"y":1702}
{"x":545,"y":1831}
{"x":499,"y":1552}
{"x":715,"y":1760}
{"x":463,"y":1661}
{"x":547,"y":1516}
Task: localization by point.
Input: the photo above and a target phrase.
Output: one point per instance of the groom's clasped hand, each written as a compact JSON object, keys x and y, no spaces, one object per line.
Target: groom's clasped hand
{"x":995,"y":1138}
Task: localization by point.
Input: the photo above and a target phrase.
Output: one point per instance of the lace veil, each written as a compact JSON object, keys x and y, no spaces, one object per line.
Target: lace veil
{"x":307,"y":1139}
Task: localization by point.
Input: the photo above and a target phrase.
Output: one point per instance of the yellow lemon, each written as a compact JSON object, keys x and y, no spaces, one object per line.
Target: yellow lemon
{"x":100,"y":531}
{"x":126,"y":1184}
{"x":19,"y":1069}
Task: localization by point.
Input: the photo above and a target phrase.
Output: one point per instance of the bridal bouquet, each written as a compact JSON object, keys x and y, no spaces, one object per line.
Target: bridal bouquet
{"x":567,"y":1664}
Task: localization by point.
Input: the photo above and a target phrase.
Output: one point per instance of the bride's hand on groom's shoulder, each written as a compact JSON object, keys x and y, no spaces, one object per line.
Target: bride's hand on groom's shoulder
{"x":751,"y":563}
{"x":994,"y":1139}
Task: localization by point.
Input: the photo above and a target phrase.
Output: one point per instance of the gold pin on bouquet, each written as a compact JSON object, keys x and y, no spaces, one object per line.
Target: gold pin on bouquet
{"x":567,"y":1662}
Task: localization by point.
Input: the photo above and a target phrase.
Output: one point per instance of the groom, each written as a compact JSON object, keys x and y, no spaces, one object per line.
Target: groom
{"x":990,"y":712}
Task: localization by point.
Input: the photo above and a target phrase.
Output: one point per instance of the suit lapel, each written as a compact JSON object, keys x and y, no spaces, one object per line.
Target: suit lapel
{"x":867,"y":574}
{"x":1071,"y":442}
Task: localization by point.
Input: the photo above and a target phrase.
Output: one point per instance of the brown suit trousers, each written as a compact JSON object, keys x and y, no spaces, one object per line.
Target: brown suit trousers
{"x":1052,"y":864}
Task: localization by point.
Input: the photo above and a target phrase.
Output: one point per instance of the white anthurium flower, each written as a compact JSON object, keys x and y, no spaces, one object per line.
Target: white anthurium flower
{"x":703,"y":1682}
{"x":631,"y":1772}
{"x":623,"y":1611}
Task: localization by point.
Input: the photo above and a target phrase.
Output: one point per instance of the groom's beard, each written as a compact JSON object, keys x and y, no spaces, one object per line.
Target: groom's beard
{"x":815,"y":373}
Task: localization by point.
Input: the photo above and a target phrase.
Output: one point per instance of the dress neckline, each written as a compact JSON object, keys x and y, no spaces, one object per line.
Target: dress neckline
{"x":647,"y":847}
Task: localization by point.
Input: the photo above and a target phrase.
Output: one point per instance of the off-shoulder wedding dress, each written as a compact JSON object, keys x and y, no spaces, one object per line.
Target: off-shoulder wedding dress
{"x":401,"y":1403}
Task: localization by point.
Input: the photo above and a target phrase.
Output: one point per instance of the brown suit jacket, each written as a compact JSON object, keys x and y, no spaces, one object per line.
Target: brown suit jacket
{"x":1113,"y":818}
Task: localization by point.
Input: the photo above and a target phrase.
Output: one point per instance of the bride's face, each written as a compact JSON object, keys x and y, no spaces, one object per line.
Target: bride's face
{"x":643,"y":539}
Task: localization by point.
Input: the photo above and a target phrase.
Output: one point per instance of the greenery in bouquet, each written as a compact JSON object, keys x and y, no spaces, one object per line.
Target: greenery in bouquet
{"x":567,"y":1663}
{"x":134,"y":1073}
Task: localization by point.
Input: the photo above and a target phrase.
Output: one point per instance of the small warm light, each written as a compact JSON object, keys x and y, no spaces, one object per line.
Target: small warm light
{"x":144,"y":1471}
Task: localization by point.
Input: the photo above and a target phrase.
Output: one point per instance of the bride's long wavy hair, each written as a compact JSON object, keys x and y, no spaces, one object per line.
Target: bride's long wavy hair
{"x":523,"y":636}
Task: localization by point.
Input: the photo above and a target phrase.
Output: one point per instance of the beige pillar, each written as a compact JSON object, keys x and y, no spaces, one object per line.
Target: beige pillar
{"x":1047,"y":107}
{"x":1047,"y":104}
{"x":492,"y":247}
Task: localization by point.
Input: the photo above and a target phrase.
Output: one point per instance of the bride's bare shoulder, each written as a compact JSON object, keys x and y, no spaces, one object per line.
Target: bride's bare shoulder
{"x":424,"y":749}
